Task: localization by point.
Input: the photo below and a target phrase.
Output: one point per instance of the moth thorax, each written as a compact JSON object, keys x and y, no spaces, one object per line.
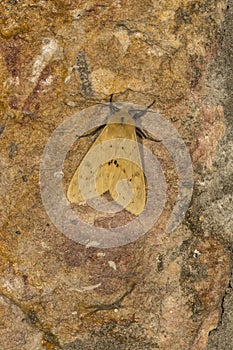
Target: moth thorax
{"x":121,"y":117}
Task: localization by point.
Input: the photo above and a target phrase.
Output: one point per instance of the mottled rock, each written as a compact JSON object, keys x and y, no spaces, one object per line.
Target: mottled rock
{"x":161,"y":291}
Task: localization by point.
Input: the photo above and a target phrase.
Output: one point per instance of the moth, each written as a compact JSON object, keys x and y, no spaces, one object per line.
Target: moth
{"x":123,"y":176}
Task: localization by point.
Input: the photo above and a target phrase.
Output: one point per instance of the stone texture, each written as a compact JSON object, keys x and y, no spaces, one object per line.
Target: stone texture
{"x":160,"y":292}
{"x":220,"y":79}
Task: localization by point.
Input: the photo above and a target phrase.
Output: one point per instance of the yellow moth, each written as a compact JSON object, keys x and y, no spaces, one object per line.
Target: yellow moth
{"x":120,"y":176}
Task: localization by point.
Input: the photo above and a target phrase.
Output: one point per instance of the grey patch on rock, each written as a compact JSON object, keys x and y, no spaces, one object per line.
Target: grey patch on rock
{"x":114,"y":336}
{"x":215,"y":202}
{"x":84,"y":73}
{"x":221,"y":337}
{"x":1,"y":129}
{"x":75,"y":345}
{"x":51,"y":338}
{"x":220,"y":79}
{"x":32,"y":317}
{"x":12,"y":149}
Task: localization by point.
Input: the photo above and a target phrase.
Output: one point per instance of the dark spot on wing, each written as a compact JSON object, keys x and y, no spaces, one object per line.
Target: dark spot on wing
{"x":114,"y":162}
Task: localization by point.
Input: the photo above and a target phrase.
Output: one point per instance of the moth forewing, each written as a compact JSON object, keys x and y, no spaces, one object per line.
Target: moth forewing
{"x":121,"y":175}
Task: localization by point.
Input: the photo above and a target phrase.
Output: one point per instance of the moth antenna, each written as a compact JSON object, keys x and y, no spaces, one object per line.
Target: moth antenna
{"x":151,"y":104}
{"x":113,"y":109}
{"x":141,"y":113}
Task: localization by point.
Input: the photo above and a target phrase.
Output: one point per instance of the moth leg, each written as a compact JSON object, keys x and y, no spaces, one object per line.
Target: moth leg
{"x":144,"y":134}
{"x":91,"y":133}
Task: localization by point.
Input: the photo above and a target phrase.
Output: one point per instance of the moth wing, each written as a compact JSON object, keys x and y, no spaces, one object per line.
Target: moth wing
{"x":124,"y":177}
{"x":132,"y":187}
{"x":74,"y":194}
{"x":124,"y":180}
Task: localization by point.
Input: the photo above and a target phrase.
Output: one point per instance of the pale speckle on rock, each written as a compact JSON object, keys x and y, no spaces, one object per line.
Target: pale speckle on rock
{"x":101,"y":254}
{"x":123,"y":37}
{"x":196,"y":253}
{"x":112,"y":264}
{"x":47,"y":52}
{"x":71,"y":104}
{"x":58,"y":175}
{"x":92,"y":244}
{"x":82,"y":289}
{"x":67,"y":79}
{"x":48,"y":81}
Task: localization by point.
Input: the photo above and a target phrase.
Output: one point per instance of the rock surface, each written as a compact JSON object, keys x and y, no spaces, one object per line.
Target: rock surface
{"x":161,"y":291}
